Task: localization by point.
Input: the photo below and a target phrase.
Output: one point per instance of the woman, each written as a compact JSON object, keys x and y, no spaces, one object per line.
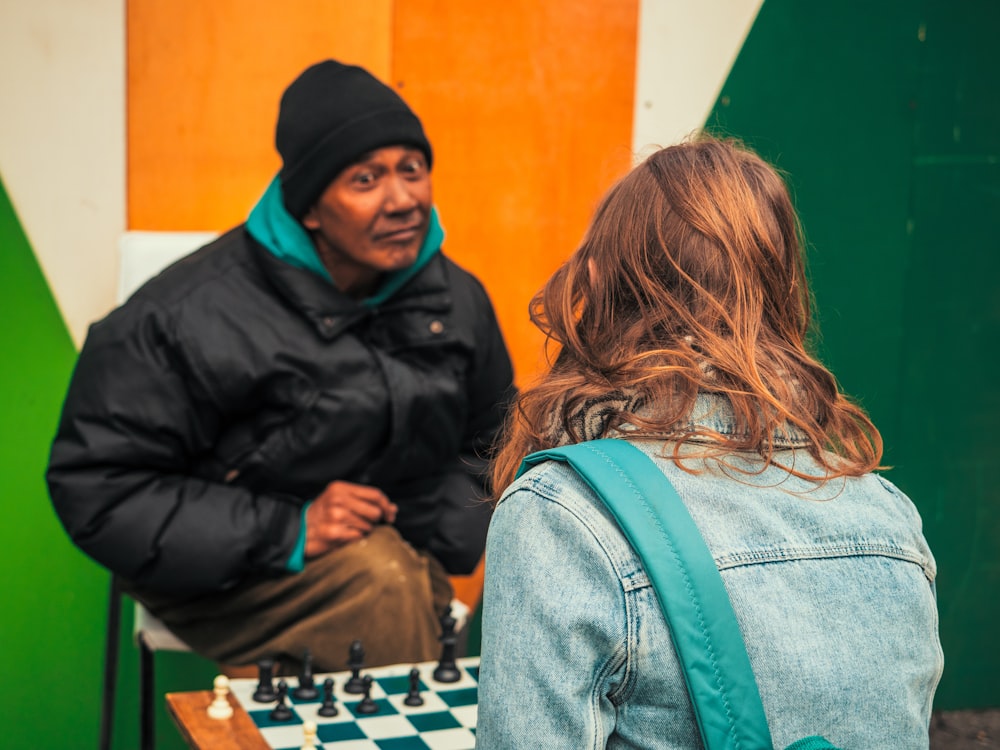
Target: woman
{"x":681,"y":324}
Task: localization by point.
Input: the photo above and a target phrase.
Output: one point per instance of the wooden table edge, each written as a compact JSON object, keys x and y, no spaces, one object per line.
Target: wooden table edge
{"x":189,"y":711}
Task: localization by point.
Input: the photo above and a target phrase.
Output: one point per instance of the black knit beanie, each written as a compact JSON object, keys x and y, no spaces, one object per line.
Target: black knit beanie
{"x":331,"y":115}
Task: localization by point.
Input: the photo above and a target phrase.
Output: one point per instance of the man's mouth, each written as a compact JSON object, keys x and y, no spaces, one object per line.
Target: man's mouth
{"x":403,"y":234}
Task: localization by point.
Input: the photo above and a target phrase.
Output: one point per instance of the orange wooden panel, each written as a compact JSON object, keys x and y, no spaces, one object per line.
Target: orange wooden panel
{"x":528,"y":106}
{"x":204,"y":80}
{"x":469,"y":589}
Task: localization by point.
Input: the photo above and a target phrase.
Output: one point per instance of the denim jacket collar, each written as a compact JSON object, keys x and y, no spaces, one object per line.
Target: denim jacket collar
{"x":714,"y":412}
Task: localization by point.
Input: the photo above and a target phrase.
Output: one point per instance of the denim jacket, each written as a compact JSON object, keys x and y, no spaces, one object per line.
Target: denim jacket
{"x":832,"y":585}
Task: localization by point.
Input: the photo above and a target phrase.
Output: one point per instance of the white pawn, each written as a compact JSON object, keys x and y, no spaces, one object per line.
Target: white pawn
{"x":308,"y":736}
{"x":220,"y":708}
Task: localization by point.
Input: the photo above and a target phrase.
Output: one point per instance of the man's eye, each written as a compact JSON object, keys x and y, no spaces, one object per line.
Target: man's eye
{"x":414,"y":166}
{"x":364,"y":178}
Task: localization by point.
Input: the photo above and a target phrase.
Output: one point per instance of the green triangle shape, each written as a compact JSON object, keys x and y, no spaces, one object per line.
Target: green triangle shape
{"x":54,"y":604}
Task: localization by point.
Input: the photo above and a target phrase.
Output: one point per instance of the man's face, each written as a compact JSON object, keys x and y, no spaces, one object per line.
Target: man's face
{"x":372,"y":218}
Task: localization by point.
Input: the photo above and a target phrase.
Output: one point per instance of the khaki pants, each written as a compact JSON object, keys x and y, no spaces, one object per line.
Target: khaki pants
{"x":378,"y":590}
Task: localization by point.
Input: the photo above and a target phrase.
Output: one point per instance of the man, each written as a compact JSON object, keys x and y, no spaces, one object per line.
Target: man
{"x":278,"y":444}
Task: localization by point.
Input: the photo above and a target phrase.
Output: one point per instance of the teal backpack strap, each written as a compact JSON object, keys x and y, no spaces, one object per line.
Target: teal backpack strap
{"x":812,"y":743}
{"x":703,"y":628}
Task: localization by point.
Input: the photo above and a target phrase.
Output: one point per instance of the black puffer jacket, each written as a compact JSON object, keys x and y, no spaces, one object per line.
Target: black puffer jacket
{"x":233,"y":387}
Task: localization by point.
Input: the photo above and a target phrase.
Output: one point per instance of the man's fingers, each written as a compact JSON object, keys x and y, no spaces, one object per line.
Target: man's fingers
{"x":374,"y":497}
{"x":363,"y":500}
{"x":318,"y":543}
{"x":343,"y":513}
{"x":343,"y":516}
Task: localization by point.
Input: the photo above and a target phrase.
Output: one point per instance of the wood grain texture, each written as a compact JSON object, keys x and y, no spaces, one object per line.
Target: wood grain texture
{"x":189,"y":712}
{"x":204,"y":82}
{"x":529,"y":108}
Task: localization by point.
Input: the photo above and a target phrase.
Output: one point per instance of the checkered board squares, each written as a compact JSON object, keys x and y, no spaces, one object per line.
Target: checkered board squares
{"x":446,"y":720}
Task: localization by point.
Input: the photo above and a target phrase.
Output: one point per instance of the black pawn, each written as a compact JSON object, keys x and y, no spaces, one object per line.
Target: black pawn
{"x":306,"y":691}
{"x":446,"y":670}
{"x":413,"y":697}
{"x":355,"y":660}
{"x":367,"y":705}
{"x":282,"y":712}
{"x":328,"y":708}
{"x":265,"y":688}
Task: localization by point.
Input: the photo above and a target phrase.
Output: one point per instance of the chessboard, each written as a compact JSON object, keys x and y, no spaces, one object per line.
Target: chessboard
{"x":444,"y":720}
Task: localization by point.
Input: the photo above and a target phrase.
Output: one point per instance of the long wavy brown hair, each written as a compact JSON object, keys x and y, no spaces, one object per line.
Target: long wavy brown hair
{"x":690,"y":279}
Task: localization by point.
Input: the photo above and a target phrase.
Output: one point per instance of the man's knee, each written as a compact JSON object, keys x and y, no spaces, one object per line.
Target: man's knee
{"x":390,"y":567}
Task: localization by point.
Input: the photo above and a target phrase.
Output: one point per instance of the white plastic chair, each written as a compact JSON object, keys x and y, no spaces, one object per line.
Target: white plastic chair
{"x":141,"y":256}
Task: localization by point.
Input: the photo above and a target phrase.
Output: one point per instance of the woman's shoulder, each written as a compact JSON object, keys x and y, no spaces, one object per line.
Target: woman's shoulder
{"x":551,"y":496}
{"x":747,"y":516}
{"x":750,"y":513}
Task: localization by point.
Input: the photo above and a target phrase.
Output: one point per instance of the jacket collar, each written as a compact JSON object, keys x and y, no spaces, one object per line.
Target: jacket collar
{"x":331,"y":312}
{"x":714,"y":412}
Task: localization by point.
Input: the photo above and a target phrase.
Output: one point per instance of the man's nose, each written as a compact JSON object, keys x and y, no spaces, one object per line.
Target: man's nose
{"x":400,"y":195}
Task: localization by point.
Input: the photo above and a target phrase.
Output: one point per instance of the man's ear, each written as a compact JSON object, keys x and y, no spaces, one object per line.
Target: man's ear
{"x":311,"y":220}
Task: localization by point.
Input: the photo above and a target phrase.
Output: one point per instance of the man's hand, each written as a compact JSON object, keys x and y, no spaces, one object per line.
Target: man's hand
{"x":343,"y":513}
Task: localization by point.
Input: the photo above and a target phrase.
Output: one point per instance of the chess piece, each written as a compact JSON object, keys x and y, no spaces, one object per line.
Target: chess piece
{"x":265,"y":692}
{"x":308,"y":736}
{"x":306,"y":691}
{"x":281,"y":712}
{"x":446,"y":670}
{"x":367,"y":705}
{"x":356,"y":660}
{"x":413,"y":696}
{"x":219,"y":707}
{"x":329,"y":707}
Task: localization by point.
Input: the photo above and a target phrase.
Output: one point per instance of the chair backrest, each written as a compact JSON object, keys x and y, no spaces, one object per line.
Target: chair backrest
{"x":142,"y":255}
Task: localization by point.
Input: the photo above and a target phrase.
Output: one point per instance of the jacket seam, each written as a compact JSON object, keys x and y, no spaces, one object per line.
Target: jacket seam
{"x":791,"y":554}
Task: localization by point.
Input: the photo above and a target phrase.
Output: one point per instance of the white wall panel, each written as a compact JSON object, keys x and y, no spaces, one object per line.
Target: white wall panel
{"x":62,"y":143}
{"x":686,"y":49}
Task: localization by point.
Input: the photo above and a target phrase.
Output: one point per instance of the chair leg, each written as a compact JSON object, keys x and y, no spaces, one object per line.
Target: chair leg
{"x":147,"y":717}
{"x":111,"y":647}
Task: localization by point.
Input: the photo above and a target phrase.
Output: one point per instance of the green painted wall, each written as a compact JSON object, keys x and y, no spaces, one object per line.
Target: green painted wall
{"x":54,"y":598}
{"x":48,"y":626}
{"x":887,"y":119}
